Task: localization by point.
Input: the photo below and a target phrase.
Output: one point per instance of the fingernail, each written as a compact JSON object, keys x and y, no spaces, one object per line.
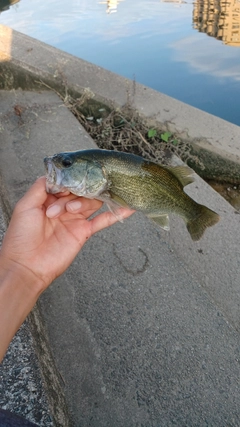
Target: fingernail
{"x":53,"y":210}
{"x":74,"y":206}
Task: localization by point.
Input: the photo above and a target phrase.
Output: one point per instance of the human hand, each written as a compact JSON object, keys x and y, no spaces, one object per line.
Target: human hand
{"x":47,"y":231}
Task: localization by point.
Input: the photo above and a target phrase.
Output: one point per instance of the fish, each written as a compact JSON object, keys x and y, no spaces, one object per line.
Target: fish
{"x":127,"y":180}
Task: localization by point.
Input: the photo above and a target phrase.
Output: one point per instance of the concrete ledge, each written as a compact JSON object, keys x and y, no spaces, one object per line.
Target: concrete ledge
{"x":213,"y":140}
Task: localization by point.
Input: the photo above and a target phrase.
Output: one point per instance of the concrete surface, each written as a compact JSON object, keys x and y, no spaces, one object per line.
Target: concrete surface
{"x":143,"y":328}
{"x":215,"y":141}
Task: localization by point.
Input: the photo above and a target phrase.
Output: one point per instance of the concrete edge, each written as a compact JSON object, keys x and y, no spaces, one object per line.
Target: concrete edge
{"x":214,"y":141}
{"x":52,"y":380}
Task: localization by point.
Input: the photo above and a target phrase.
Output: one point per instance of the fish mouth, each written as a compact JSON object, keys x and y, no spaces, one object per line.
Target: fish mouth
{"x":53,"y":177}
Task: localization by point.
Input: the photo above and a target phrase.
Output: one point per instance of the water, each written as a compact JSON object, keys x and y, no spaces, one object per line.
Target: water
{"x":188,"y":50}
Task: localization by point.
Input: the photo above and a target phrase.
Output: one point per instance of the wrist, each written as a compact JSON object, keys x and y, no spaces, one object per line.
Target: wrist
{"x":19,"y":292}
{"x":21,"y":275}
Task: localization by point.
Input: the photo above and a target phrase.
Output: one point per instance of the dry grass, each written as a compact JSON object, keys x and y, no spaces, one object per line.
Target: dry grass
{"x":123,"y":129}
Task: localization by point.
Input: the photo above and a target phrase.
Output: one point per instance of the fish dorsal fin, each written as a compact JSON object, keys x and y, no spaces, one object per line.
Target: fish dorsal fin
{"x":182,"y":173}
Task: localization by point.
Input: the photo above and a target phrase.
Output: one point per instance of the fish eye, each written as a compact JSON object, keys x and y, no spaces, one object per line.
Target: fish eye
{"x":67,"y":162}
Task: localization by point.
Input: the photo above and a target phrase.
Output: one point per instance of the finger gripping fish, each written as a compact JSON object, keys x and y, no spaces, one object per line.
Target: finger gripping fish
{"x":122,"y":179}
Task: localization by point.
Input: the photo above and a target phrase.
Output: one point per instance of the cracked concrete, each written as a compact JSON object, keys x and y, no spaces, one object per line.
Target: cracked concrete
{"x":133,"y":264}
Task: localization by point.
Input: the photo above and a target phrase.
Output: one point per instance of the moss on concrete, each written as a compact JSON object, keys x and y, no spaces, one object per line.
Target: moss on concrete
{"x":216,"y":167}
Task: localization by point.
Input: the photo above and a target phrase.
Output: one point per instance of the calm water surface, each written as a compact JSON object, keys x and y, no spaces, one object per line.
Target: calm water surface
{"x":188,"y":50}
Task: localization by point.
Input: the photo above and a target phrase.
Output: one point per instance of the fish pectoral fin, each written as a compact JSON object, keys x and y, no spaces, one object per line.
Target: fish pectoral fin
{"x":118,"y":200}
{"x":161,"y":220}
{"x":183,"y":174}
{"x":114,"y":208}
{"x":113,"y":203}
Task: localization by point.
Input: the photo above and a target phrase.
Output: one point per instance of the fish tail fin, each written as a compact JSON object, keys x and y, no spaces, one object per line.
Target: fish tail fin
{"x":198,"y":225}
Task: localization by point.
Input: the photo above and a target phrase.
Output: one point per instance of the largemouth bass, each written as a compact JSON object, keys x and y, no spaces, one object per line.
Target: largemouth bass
{"x":122,"y":179}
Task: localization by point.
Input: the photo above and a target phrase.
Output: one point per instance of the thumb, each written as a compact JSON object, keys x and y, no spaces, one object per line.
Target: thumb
{"x":35,"y":196}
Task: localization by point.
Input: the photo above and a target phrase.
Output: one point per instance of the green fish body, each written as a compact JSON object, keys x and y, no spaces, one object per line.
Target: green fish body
{"x":128,"y":180}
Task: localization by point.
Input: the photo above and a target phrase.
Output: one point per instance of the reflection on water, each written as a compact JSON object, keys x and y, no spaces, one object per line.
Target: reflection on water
{"x":174,"y":1}
{"x":5,"y":4}
{"x":153,"y":41}
{"x":111,"y":5}
{"x":219,"y":19}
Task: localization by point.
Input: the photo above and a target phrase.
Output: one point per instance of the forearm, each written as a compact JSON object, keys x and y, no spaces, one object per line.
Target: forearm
{"x":19,"y":291}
